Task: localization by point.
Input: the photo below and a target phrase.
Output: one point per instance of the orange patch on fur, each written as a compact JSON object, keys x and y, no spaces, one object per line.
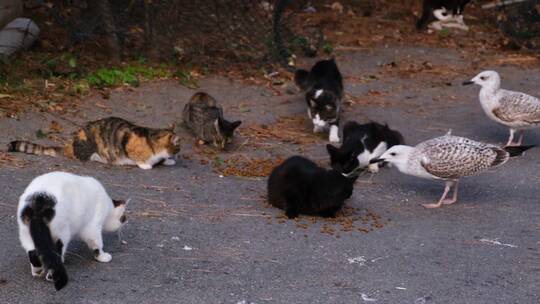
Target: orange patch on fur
{"x":137,"y":149}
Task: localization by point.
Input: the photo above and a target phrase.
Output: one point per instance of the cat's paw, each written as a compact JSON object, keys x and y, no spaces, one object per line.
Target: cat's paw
{"x":373,"y":168}
{"x":145,"y":166}
{"x":333,"y":138}
{"x":104,"y":257}
{"x":169,"y":162}
{"x":37,"y":271}
{"x":318,"y":129}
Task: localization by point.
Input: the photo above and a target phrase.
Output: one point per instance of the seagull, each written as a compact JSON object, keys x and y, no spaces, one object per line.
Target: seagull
{"x":448,"y":158}
{"x":516,"y":110}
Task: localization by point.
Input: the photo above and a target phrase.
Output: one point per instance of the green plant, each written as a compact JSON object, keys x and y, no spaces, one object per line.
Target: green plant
{"x":327,"y":47}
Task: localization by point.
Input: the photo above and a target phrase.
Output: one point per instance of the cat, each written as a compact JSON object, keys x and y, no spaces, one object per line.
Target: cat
{"x":324,"y":89}
{"x":204,"y":118}
{"x":444,"y":13}
{"x":54,"y":208}
{"x":115,"y":141}
{"x":300,"y":186}
{"x":367,"y":141}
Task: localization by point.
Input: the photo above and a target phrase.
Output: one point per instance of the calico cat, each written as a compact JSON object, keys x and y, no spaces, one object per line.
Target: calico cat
{"x":298,"y":185}
{"x":113,"y":140}
{"x":324,"y":90}
{"x":204,"y":118}
{"x":367,"y":141}
{"x":444,"y":13}
{"x":57,"y":207}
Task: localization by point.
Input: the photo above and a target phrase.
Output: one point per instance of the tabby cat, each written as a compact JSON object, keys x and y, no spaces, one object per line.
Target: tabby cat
{"x":115,"y":141}
{"x":204,"y":118}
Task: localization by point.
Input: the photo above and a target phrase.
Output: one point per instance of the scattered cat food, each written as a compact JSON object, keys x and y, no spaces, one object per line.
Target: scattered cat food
{"x":348,"y":219}
{"x":11,"y":161}
{"x":240,"y":165}
{"x":293,"y":130}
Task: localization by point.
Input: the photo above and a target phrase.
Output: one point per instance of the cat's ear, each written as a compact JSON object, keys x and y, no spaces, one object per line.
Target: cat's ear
{"x":175,"y":140}
{"x":118,"y":203}
{"x":312,"y":103}
{"x":235,"y":124}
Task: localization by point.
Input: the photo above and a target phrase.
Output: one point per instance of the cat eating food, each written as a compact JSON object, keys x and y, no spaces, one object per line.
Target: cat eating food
{"x":57,"y":207}
{"x":323,"y":85}
{"x":204,"y":118}
{"x":115,"y":141}
{"x":368,"y":141}
{"x":300,"y":186}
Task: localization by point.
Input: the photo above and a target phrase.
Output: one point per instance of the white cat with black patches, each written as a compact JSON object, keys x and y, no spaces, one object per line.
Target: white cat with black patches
{"x":324,"y":89}
{"x":368,"y":141}
{"x":438,"y":14}
{"x":55,"y":208}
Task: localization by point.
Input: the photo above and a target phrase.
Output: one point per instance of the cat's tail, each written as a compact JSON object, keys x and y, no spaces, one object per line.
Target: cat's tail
{"x":31,"y":148}
{"x":38,"y":213}
{"x":301,"y":79}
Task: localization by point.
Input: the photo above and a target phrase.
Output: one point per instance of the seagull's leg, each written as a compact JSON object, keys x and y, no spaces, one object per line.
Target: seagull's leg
{"x":521,"y":135}
{"x":454,"y":196}
{"x":511,"y":138}
{"x":443,"y":197}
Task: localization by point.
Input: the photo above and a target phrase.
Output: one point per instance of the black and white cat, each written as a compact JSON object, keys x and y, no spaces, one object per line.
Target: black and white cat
{"x":300,"y":186}
{"x":443,"y":13}
{"x":57,"y":207}
{"x":367,"y":141}
{"x":324,"y":89}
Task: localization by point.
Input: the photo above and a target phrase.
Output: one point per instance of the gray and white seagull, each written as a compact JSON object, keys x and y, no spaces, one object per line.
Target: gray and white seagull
{"x":448,"y":158}
{"x":516,"y":110}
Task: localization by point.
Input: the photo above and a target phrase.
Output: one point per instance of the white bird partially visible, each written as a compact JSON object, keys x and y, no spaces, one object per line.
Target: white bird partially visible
{"x":516,"y":110}
{"x":448,"y":158}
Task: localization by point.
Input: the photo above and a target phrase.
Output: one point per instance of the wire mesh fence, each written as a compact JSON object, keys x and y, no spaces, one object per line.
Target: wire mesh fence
{"x":519,"y":21}
{"x":199,"y":31}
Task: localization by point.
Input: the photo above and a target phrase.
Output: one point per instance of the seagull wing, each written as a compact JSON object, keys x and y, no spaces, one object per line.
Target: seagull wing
{"x":458,"y":156}
{"x":515,"y":106}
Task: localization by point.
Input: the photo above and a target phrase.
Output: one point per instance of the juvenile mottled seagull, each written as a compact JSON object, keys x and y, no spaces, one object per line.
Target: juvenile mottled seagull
{"x":516,"y":110}
{"x":448,"y":158}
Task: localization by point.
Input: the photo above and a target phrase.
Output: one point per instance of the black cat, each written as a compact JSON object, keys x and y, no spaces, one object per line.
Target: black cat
{"x":367,"y":141}
{"x":450,"y":11}
{"x":324,"y":90}
{"x":298,"y":185}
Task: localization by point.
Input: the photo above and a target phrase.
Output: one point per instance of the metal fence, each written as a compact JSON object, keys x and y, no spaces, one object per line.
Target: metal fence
{"x":200,"y":31}
{"x":519,"y":21}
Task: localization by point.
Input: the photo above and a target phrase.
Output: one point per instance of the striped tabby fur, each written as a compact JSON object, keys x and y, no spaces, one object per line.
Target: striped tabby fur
{"x":113,"y":140}
{"x":204,"y":118}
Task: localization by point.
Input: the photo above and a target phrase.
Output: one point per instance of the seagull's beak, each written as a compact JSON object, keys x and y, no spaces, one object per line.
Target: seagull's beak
{"x":468,"y":82}
{"x":376,"y":160}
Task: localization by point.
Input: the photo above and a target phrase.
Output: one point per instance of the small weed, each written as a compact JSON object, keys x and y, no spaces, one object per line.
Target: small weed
{"x":443,"y":33}
{"x":186,"y":79}
{"x":327,"y":47}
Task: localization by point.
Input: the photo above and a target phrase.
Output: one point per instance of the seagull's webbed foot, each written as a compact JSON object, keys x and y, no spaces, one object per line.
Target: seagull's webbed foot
{"x":444,"y":200}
